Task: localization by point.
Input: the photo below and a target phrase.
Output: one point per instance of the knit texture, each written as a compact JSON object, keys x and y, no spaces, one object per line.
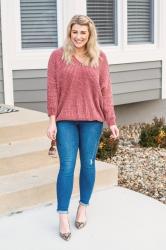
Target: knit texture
{"x":78,"y":92}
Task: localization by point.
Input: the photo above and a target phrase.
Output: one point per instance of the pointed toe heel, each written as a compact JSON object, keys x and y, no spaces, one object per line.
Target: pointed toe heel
{"x":65,"y":236}
{"x":80,"y":225}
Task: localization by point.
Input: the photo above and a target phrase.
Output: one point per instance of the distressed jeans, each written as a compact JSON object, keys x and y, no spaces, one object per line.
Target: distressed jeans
{"x":70,"y":136}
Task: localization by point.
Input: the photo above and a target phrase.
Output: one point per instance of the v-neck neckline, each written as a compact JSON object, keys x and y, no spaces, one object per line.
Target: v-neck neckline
{"x":78,"y":60}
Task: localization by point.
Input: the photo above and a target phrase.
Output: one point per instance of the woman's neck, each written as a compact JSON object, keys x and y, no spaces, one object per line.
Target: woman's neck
{"x":80,"y":51}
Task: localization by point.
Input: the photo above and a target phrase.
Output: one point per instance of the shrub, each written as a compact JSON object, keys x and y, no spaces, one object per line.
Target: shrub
{"x":153,"y":135}
{"x":107,"y":146}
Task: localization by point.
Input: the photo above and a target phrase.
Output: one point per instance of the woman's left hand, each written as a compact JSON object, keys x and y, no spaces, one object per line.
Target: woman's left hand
{"x":115,"y":131}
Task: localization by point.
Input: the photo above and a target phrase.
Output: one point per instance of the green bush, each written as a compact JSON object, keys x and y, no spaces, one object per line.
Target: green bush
{"x":107,"y":146}
{"x":153,"y":135}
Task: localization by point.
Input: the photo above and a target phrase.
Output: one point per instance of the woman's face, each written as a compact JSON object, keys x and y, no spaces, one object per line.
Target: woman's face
{"x":79,"y":35}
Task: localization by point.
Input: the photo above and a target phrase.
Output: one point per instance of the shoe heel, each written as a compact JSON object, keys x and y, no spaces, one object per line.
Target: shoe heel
{"x":79,"y":224}
{"x":65,"y":236}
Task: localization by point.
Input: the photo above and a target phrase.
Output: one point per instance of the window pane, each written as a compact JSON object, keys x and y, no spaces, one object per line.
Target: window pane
{"x":103,"y":13}
{"x":140,"y":21}
{"x":38,"y":23}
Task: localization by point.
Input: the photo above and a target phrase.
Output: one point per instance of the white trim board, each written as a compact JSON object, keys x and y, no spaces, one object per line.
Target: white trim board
{"x":7,"y":54}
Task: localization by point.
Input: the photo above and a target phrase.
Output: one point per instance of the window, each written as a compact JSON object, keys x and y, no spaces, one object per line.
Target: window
{"x":140,"y":21}
{"x":103,"y":13}
{"x":38,"y":23}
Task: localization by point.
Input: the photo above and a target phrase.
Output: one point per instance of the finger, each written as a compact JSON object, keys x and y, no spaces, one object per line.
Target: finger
{"x":118,"y":133}
{"x":50,"y":136}
{"x":50,"y":133}
{"x":113,"y":135}
{"x":53,"y":135}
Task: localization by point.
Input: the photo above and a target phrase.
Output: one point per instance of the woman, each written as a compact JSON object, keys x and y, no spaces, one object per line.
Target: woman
{"x":79,"y":100}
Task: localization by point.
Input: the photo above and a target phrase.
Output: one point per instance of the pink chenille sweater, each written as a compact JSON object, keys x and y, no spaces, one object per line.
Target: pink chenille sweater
{"x":78,"y":92}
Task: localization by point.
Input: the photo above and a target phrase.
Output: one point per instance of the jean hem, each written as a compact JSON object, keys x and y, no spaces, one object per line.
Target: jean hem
{"x":62,"y":212}
{"x":82,"y":203}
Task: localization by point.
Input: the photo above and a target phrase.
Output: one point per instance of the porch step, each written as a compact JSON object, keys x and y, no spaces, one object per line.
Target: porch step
{"x":23,"y":162}
{"x":22,"y":117}
{"x":24,"y":146}
{"x":23,"y":124}
{"x":22,"y":132}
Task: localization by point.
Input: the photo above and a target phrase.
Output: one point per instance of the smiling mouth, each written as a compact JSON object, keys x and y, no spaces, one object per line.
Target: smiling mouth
{"x":78,"y":41}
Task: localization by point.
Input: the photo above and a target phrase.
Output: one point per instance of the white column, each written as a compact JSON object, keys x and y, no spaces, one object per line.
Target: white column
{"x":6,"y":28}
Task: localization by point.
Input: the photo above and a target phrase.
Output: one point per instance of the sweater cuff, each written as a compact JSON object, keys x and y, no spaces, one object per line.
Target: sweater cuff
{"x":51,"y":111}
{"x":111,"y":121}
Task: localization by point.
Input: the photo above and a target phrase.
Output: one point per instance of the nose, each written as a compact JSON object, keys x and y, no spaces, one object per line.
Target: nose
{"x":78,"y":36}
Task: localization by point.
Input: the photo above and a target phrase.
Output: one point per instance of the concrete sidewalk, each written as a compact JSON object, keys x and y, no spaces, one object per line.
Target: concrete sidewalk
{"x":118,"y":219}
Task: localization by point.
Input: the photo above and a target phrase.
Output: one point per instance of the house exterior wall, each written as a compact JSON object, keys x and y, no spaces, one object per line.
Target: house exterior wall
{"x":140,"y":112}
{"x":1,"y":66}
{"x":30,"y":89}
{"x":134,"y":82}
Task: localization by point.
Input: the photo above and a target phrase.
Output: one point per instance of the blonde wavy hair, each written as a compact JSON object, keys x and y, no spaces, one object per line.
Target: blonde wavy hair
{"x":92,"y":51}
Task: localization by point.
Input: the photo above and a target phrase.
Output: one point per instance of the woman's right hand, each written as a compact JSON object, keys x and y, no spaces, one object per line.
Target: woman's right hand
{"x":51,"y":131}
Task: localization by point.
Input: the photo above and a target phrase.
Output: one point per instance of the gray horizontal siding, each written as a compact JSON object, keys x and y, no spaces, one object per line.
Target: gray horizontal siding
{"x":1,"y":64}
{"x":135,"y":66}
{"x":136,"y":86}
{"x":1,"y":76}
{"x":1,"y":67}
{"x":30,"y":89}
{"x":29,"y":73}
{"x":38,"y":106}
{"x":136,"y":82}
{"x":29,"y":84}
{"x":1,"y":97}
{"x":30,"y":95}
{"x":132,"y":82}
{"x":133,"y":97}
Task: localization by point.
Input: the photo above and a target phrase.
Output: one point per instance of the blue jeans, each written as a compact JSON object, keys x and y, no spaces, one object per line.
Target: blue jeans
{"x":70,"y":136}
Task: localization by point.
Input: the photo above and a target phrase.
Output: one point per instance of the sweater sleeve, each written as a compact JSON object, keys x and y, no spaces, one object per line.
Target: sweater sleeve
{"x":51,"y":87}
{"x":106,"y":89}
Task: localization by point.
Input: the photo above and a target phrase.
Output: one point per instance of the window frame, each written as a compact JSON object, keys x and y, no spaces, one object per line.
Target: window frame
{"x":146,"y":46}
{"x":26,"y":18}
{"x":36,"y":52}
{"x":21,"y":58}
{"x":151,"y":26}
{"x":116,"y":26}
